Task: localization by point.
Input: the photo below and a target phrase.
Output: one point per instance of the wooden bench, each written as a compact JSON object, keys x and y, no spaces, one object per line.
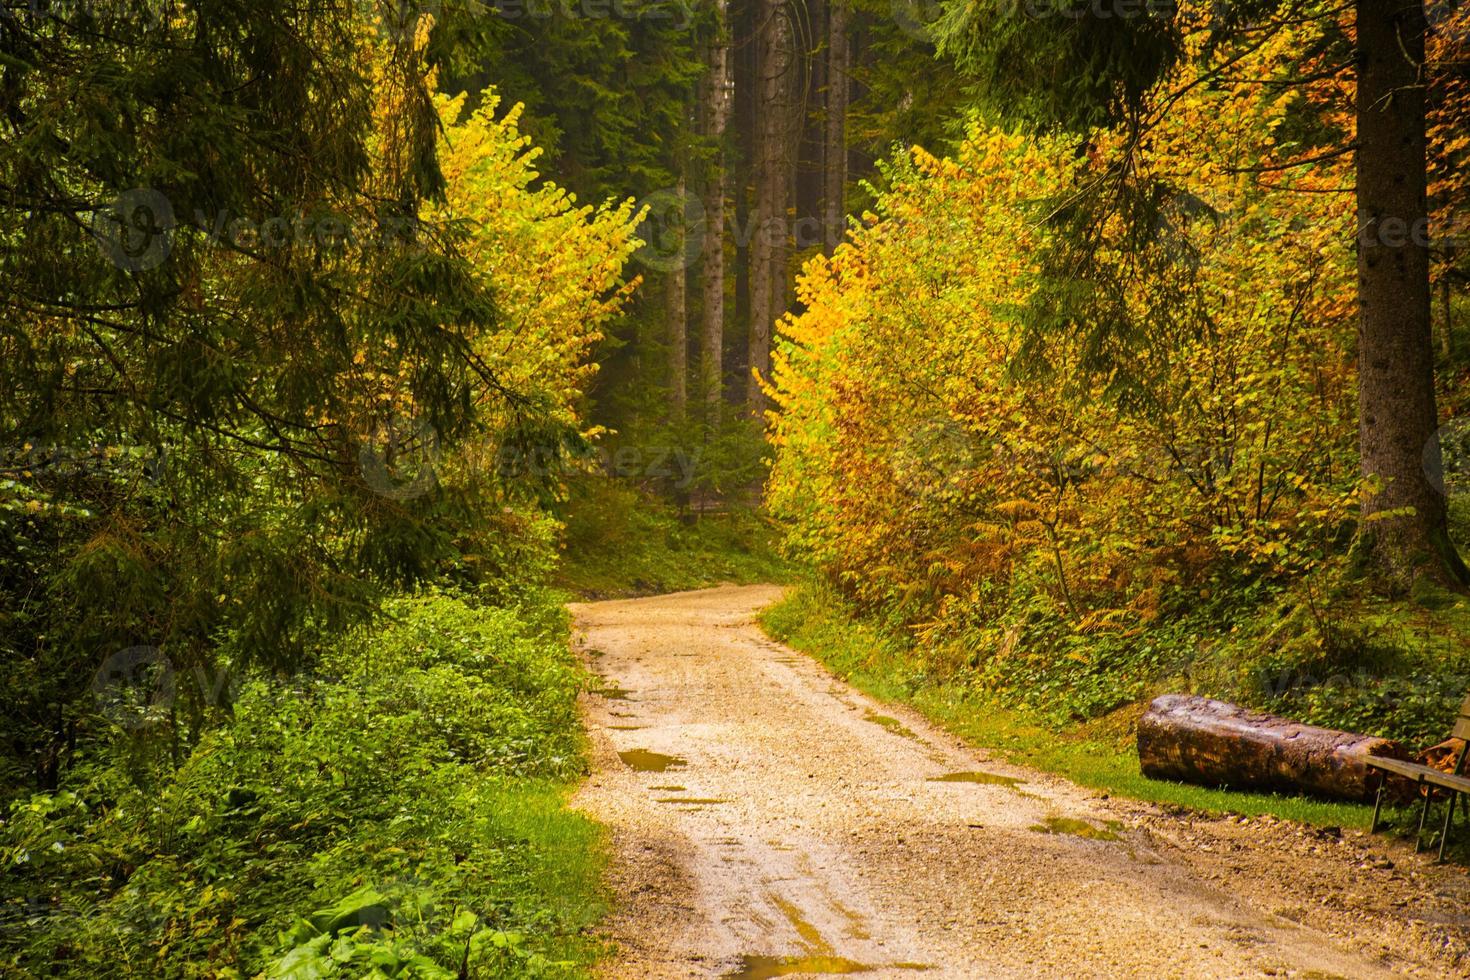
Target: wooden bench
{"x":1425,"y":777}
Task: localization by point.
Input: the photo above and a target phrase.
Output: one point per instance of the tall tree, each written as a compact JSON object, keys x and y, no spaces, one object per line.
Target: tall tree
{"x":1404,"y":513}
{"x":834,"y":155}
{"x":775,"y":71}
{"x":219,"y":255}
{"x":719,"y":100}
{"x":676,"y":312}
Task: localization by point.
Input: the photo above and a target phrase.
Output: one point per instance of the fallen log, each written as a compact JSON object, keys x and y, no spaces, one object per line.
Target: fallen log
{"x":1213,"y":743}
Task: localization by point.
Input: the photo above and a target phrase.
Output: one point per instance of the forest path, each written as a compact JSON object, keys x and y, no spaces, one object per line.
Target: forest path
{"x":803,"y":829}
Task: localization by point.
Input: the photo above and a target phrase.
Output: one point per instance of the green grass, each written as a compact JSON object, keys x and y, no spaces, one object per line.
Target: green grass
{"x":621,"y":543}
{"x":1098,"y":754}
{"x":561,"y":883}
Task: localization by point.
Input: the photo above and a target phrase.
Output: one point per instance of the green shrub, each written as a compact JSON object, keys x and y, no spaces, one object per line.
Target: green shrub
{"x":402,"y":809}
{"x":621,"y":541}
{"x":1381,"y":667}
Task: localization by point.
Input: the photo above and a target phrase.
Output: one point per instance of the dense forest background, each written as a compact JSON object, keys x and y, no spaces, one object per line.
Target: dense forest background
{"x":746,"y":133}
{"x":1075,"y":357}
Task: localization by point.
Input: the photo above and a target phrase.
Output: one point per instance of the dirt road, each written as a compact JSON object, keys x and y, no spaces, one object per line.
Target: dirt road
{"x":770,"y":821}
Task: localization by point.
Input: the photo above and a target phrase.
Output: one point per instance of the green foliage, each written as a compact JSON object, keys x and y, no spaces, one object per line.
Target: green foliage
{"x":275,"y":312}
{"x":200,"y":418}
{"x":1074,"y":63}
{"x":402,"y":808}
{"x":1163,"y":499}
{"x":607,"y":96}
{"x":1350,"y":660}
{"x":621,"y":541}
{"x":333,"y":433}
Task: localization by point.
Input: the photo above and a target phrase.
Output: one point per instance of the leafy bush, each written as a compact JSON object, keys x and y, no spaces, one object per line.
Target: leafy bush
{"x":401,"y":809}
{"x":1066,"y":493}
{"x":622,"y":541}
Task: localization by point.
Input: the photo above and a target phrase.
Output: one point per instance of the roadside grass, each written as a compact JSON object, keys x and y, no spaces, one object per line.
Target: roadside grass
{"x":560,"y":884}
{"x":621,"y":542}
{"x":1098,"y":754}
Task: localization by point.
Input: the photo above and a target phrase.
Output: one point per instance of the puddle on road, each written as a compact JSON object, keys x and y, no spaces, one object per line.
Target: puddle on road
{"x":1079,"y":828}
{"x":765,"y":967}
{"x":820,"y":958}
{"x":892,"y":724}
{"x":808,"y":932}
{"x":988,"y":778}
{"x":627,"y":728}
{"x":667,"y":789}
{"x":642,"y":760}
{"x":857,"y":928}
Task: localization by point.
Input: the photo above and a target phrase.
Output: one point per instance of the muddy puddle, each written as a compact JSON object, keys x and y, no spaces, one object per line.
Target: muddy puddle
{"x":642,"y":760}
{"x":979,"y":776}
{"x":820,"y":960}
{"x":804,"y":929}
{"x":765,"y":967}
{"x":892,"y":724}
{"x":1079,"y":828}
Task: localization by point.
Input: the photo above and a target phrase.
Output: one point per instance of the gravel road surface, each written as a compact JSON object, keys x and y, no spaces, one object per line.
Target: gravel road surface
{"x":769,"y":820}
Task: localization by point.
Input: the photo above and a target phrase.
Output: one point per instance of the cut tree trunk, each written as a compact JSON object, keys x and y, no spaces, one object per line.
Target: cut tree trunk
{"x":1212,"y":743}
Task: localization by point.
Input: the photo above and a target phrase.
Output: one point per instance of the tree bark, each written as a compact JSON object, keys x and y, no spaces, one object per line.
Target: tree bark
{"x":677,"y":317}
{"x":835,"y":154}
{"x":811,"y":112}
{"x":719,"y":101}
{"x":1212,"y":743}
{"x":774,"y":67}
{"x":1403,"y":512}
{"x":1446,"y":323}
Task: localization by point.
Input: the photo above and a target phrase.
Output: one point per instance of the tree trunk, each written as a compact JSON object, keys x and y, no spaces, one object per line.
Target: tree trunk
{"x":1446,"y":323}
{"x":1403,"y":513}
{"x":1197,"y":740}
{"x":811,"y":113}
{"x":835,"y":155}
{"x":677,"y":316}
{"x":719,"y":100}
{"x":774,"y":67}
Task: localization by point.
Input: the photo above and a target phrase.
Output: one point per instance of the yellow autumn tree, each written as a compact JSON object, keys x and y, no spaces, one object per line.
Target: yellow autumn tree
{"x":955,"y":461}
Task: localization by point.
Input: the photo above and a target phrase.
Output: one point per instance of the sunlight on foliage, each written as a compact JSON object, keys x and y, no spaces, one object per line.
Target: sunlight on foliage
{"x":964,"y":466}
